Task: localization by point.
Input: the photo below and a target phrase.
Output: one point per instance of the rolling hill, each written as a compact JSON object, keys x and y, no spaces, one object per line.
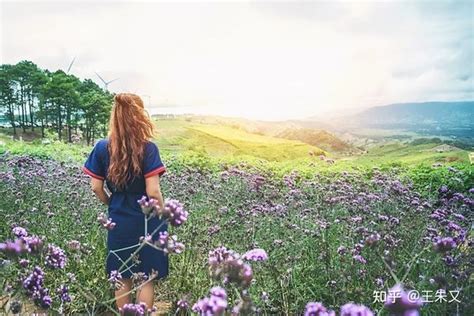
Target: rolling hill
{"x":320,"y":138}
{"x":179,"y":134}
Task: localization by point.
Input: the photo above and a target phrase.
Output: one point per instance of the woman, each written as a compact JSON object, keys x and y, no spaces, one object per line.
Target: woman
{"x":131,"y":166}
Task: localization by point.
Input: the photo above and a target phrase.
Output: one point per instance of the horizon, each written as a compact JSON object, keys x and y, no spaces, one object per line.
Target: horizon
{"x":287,"y":61}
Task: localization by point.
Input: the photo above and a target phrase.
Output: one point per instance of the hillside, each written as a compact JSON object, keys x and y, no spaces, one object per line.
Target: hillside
{"x":320,"y":138}
{"x":178,"y":135}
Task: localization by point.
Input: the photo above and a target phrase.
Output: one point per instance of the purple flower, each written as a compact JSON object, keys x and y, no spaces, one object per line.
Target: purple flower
{"x":14,"y":248}
{"x":105,"y":222}
{"x":183,"y":304}
{"x":169,"y":244}
{"x":63,"y":293}
{"x":115,"y":278}
{"x":221,"y":255}
{"x":34,"y":281}
{"x":360,"y":259}
{"x":19,"y":231}
{"x":226,"y":265}
{"x":351,"y":309}
{"x":34,"y":243}
{"x":444,"y":244}
{"x":317,"y":309}
{"x":400,"y":303}
{"x":217,"y":291}
{"x":216,"y":304}
{"x":56,"y":258}
{"x":372,"y":239}
{"x":443,"y":189}
{"x":131,"y":309}
{"x":46,"y":301}
{"x":255,"y":255}
{"x":341,"y":250}
{"x":139,"y":277}
{"x":24,"y":263}
{"x":33,"y":284}
{"x":173,"y":211}
{"x":147,"y":206}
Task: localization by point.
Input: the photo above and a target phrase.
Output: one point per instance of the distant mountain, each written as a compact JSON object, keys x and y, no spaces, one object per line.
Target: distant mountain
{"x":429,"y":118}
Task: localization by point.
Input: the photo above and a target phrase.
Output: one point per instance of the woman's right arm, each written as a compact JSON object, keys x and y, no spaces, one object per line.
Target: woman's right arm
{"x":98,"y":188}
{"x":153,"y":189}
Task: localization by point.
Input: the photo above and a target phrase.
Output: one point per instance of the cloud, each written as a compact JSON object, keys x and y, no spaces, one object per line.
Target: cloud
{"x":262,"y":59}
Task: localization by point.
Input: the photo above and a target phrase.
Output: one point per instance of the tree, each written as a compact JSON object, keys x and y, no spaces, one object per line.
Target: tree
{"x":95,"y":105}
{"x":30,"y":96}
{"x":7,"y":94}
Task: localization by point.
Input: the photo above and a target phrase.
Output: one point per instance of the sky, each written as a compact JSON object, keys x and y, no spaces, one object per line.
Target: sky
{"x":260,"y":60}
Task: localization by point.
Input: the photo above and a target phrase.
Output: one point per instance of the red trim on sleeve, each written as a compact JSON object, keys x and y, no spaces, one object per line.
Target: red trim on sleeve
{"x":90,"y":173}
{"x":157,"y":171}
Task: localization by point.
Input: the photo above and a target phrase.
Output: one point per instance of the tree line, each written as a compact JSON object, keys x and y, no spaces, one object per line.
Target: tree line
{"x":34,"y":98}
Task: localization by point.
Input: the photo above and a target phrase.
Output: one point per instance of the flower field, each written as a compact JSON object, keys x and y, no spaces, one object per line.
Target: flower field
{"x":252,"y":241}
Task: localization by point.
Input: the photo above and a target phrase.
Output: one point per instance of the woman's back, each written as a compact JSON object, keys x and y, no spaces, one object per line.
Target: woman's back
{"x":124,"y":200}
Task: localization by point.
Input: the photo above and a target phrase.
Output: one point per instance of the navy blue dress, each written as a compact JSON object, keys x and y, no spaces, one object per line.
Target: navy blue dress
{"x":125,"y":211}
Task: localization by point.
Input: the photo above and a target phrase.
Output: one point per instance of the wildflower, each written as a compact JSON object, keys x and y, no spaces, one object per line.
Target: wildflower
{"x":351,"y":309}
{"x":19,"y":231}
{"x":183,"y":304}
{"x":443,"y":189}
{"x":444,"y":244}
{"x":213,"y":230}
{"x":24,"y":263}
{"x":220,"y":255}
{"x":216,"y":304}
{"x":173,"y":211}
{"x":399,"y":303}
{"x":317,"y":309}
{"x":372,"y":239}
{"x":139,"y":277}
{"x":360,"y":259}
{"x":63,"y":292}
{"x":34,"y":243}
{"x":341,"y":250}
{"x":46,"y":301}
{"x":255,"y":255}
{"x":227,"y":265}
{"x":16,"y":247}
{"x":115,"y":278}
{"x":147,"y":206}
{"x":169,"y":244}
{"x":56,"y":258}
{"x":33,"y":284}
{"x":131,"y":309}
{"x":106,"y":222}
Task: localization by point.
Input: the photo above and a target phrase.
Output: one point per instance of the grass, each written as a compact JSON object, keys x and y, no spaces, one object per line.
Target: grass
{"x":178,"y":135}
{"x":304,"y":266}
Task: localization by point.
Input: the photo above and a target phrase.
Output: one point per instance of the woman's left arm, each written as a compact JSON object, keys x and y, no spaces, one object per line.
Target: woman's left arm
{"x":98,"y":188}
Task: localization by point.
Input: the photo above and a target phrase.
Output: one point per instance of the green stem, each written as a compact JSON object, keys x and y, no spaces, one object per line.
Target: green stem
{"x":410,"y":265}
{"x":139,"y":248}
{"x":390,"y":270}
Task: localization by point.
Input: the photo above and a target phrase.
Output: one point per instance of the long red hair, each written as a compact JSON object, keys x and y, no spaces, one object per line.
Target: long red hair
{"x":129,"y":130}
